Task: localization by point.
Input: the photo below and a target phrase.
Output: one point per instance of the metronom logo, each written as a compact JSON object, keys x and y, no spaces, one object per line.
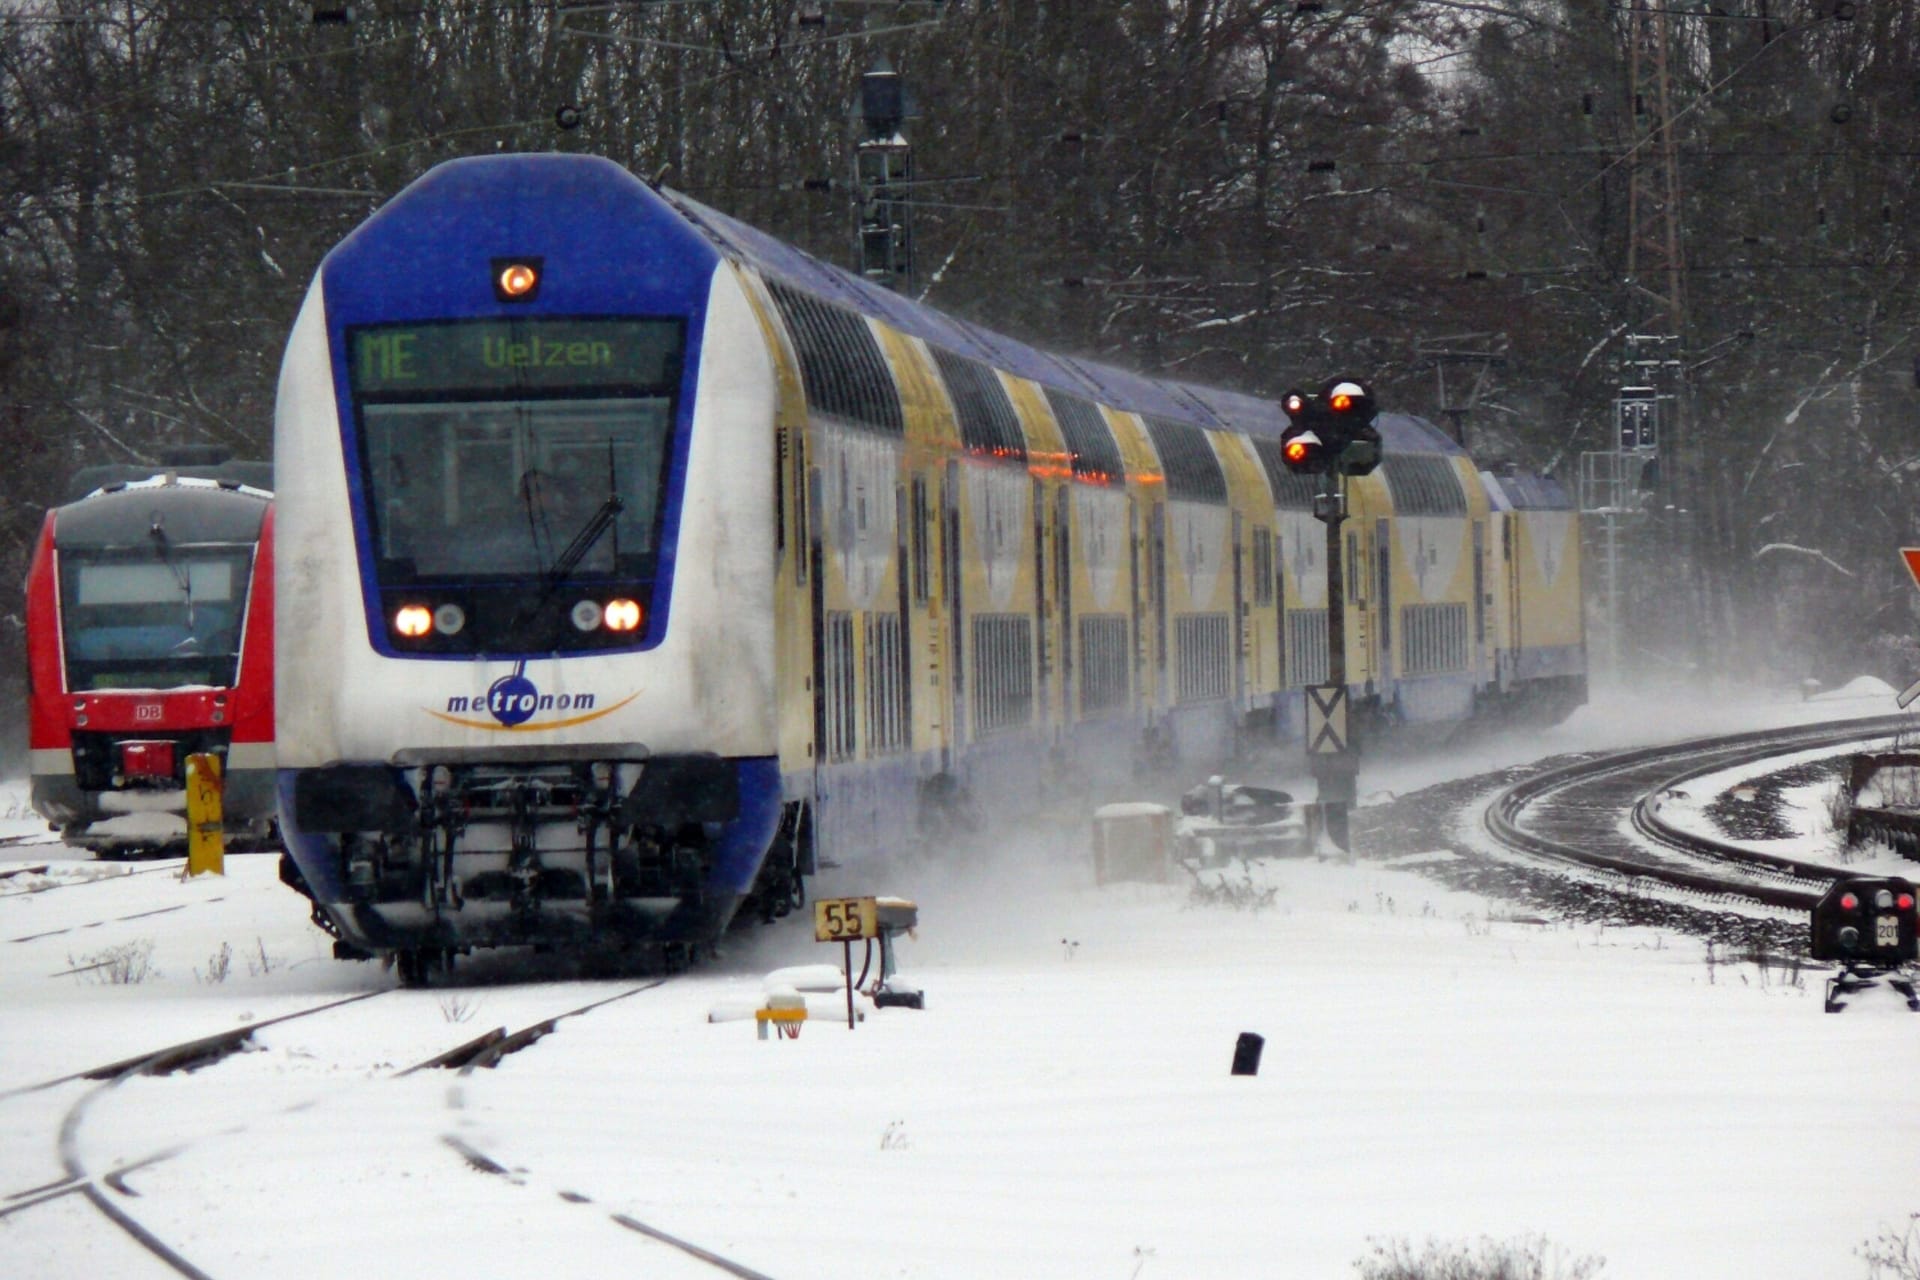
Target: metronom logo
{"x":515,"y":702}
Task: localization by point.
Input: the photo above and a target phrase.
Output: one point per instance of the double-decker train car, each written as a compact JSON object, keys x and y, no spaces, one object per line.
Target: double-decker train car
{"x":630,"y":559}
{"x":149,"y":639}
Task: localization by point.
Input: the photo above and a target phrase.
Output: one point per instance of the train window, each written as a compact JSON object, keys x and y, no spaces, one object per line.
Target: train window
{"x":1423,"y":485}
{"x":1103,"y":662}
{"x":484,"y":488}
{"x":1262,"y":565}
{"x":1433,"y":639}
{"x":1290,"y":492}
{"x":157,"y":618}
{"x":838,"y":635}
{"x":1002,"y":672}
{"x":1204,"y":662}
{"x":1090,"y":443}
{"x":1187,"y":457}
{"x":841,"y":365}
{"x":1307,"y":646}
{"x":988,"y":424}
{"x":886,"y":688}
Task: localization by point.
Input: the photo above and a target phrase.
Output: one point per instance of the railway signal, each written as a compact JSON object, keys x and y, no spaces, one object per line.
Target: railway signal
{"x":1331,"y":431}
{"x":1870,"y":925}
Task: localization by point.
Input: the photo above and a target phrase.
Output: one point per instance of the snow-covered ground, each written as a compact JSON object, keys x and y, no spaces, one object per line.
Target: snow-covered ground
{"x":1434,"y":1068}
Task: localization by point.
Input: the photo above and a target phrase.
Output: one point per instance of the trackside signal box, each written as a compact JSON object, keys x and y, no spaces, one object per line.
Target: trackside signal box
{"x":1867,"y":920}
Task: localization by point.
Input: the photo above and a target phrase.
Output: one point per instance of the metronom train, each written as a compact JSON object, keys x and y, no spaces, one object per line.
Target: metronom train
{"x":630,"y":561}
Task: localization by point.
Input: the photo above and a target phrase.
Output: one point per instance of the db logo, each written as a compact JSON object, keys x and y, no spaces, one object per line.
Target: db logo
{"x":144,"y":711}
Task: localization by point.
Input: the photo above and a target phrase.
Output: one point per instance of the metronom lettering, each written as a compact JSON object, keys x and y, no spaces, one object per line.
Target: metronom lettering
{"x":523,"y":702}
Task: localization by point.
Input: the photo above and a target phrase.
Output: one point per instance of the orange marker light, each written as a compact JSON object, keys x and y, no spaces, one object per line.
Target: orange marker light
{"x":413,"y":620}
{"x":623,"y":615}
{"x":516,"y":279}
{"x":1296,"y":450}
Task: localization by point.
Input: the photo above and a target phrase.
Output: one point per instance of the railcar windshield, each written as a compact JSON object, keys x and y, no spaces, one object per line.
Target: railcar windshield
{"x":153,"y":618}
{"x":489,"y":446}
{"x":500,"y":488}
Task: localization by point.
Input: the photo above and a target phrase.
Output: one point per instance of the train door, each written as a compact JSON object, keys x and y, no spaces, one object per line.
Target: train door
{"x":1135,"y":603}
{"x":1043,"y":661}
{"x":903,"y":571}
{"x":920,"y":554}
{"x":1480,"y":597}
{"x":817,"y":607}
{"x":1279,"y":610}
{"x":1239,"y":632}
{"x":1063,"y":596}
{"x":1157,"y":588}
{"x":950,"y":581}
{"x":1383,"y":594}
{"x":1510,"y":553}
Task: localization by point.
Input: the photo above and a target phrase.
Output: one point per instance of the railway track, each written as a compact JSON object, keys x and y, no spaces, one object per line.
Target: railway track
{"x":103,"y":1181}
{"x":1602,"y":815}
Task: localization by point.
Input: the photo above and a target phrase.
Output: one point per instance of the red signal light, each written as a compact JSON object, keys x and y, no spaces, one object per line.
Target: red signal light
{"x":1341,"y":402}
{"x":1849,"y":903}
{"x":1296,"y":451}
{"x":1905,"y":902}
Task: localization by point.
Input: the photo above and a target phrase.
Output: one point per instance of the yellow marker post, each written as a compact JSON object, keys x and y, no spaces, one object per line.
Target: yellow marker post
{"x":206,"y":819}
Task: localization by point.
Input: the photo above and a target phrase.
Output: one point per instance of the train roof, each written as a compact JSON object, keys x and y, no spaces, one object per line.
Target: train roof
{"x":1110,"y":385}
{"x":190,"y":509}
{"x":425,"y":232}
{"x":1525,"y":491}
{"x":223,"y":471}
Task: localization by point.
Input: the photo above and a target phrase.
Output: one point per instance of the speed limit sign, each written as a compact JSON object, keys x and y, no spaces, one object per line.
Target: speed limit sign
{"x":845,"y":919}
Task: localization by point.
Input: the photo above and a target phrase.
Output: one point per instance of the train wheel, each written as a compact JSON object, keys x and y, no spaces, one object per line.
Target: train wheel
{"x":417,"y":965}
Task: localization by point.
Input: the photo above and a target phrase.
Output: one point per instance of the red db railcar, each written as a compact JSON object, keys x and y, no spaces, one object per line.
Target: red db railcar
{"x":150,"y":638}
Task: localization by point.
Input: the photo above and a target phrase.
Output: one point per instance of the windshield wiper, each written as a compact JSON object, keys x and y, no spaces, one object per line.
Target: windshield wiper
{"x":162,"y":548}
{"x":583,"y":542}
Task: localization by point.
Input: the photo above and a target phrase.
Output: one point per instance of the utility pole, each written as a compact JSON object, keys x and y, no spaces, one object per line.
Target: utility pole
{"x":1656,"y":270}
{"x":882,"y":178}
{"x":1481,"y":353}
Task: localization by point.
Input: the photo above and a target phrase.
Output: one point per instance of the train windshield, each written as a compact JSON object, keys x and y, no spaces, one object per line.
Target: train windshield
{"x":159,"y":618}
{"x":489,"y":447}
{"x":502,"y":488}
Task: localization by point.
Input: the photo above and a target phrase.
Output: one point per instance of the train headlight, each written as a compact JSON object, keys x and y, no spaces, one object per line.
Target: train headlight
{"x":623,"y":615}
{"x":413,"y":620}
{"x":449,"y":618}
{"x":586,"y":615}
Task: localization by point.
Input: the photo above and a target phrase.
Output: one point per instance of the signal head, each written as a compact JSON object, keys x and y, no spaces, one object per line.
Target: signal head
{"x":1350,"y":398}
{"x":1867,"y":920}
{"x":1304,"y":452}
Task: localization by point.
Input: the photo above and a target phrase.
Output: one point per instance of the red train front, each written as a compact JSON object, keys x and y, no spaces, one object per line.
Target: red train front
{"x":150,"y":638}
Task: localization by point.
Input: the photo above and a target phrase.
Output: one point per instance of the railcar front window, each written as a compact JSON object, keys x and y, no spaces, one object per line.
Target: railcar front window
{"x":151,"y":621}
{"x":500,"y":488}
{"x":489,"y":445}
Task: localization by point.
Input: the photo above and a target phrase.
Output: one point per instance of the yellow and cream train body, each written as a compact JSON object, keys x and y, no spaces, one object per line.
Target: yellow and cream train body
{"x":631,"y":560}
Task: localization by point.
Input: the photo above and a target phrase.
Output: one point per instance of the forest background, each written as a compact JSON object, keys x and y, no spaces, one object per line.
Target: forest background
{"x":1241,"y":192}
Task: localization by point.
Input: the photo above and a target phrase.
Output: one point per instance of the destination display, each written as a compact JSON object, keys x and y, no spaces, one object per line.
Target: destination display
{"x":518,"y":354}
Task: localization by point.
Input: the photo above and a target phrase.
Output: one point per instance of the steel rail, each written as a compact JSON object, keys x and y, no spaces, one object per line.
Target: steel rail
{"x":1695,"y":758}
